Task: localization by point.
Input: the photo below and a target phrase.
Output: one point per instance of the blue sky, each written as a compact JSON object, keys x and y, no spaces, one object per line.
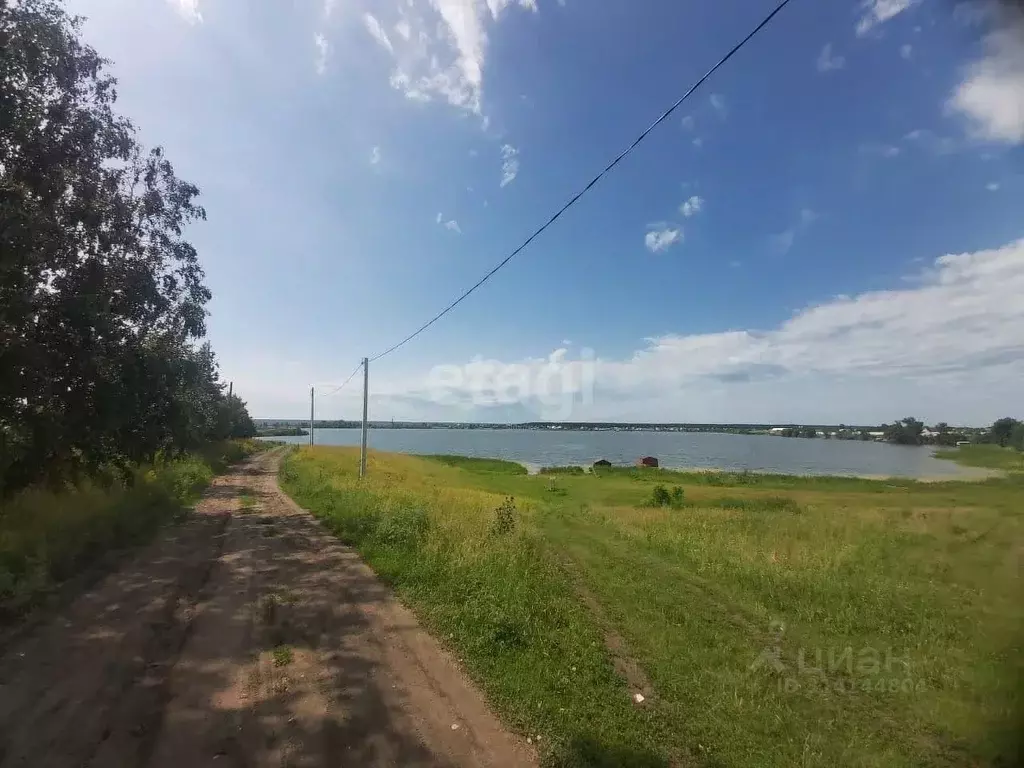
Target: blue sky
{"x":828,"y":231}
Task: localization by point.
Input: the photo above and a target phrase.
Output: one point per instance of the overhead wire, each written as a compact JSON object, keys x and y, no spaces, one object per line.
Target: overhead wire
{"x":604,"y":172}
{"x":345,"y":383}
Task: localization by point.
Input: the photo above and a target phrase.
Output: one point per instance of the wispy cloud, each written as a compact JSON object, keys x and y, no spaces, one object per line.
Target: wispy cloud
{"x":718,"y":102}
{"x":440,"y":48}
{"x":906,"y":51}
{"x":880,"y":150}
{"x":991,"y":96}
{"x":322,"y":51}
{"x":784,"y":241}
{"x":188,"y":9}
{"x":376,"y":30}
{"x":692,"y":206}
{"x":828,"y":61}
{"x":877,"y":12}
{"x":940,"y":145}
{"x":698,"y":142}
{"x":375,"y":156}
{"x":662,"y":239}
{"x":992,"y":186}
{"x":688,"y":122}
{"x":509,"y":164}
{"x":451,"y":225}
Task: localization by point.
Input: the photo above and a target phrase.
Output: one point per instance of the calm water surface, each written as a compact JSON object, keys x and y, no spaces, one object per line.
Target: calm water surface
{"x":760,"y":453}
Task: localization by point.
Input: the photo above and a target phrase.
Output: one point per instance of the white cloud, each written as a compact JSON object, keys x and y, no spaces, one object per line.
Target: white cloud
{"x":662,"y":239}
{"x":189,"y":10}
{"x":453,"y":226}
{"x":878,"y":12}
{"x":828,"y":61}
{"x":322,"y":50}
{"x":441,"y":52}
{"x":940,"y":145}
{"x":882,"y":150}
{"x":692,"y":206}
{"x":906,"y":50}
{"x":718,"y":102}
{"x":375,"y":156}
{"x":440,"y":217}
{"x":328,"y":8}
{"x":698,"y":142}
{"x":376,"y":30}
{"x":509,"y":164}
{"x":783,"y":241}
{"x":925,"y":350}
{"x":992,"y":186}
{"x":991,"y":95}
{"x":688,"y":122}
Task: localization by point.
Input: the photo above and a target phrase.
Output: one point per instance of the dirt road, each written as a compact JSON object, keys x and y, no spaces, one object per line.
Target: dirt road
{"x":246,"y":636}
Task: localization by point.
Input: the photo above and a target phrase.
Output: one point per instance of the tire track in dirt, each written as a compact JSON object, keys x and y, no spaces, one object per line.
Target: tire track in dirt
{"x":247,"y":636}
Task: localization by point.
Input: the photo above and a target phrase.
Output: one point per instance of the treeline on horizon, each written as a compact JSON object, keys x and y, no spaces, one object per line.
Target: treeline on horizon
{"x":908,"y":431}
{"x":102,"y":301}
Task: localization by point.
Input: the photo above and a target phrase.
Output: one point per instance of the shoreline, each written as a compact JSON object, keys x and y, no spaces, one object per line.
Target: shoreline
{"x":964,"y":474}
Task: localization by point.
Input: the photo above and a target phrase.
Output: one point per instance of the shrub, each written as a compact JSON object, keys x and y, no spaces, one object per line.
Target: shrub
{"x":47,"y":536}
{"x":504,"y":517}
{"x":662,"y":497}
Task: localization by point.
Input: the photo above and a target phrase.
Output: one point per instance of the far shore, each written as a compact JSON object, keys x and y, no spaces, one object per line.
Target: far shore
{"x":963,"y":474}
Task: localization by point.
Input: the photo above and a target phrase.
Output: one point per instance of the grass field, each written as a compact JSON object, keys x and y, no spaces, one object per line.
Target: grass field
{"x":766,"y":620}
{"x":47,"y":536}
{"x":986,"y":456}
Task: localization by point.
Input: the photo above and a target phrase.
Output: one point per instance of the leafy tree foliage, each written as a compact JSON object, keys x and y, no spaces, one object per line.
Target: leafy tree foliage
{"x":908,"y":431}
{"x":102,"y":301}
{"x":1002,"y":430}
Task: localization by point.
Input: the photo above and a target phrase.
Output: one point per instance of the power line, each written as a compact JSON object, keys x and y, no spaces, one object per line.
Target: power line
{"x":342,"y":386}
{"x":592,"y":182}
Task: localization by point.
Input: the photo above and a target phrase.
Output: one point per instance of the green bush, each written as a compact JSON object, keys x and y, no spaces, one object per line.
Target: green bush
{"x":48,"y":536}
{"x":662,"y":497}
{"x":505,"y":517}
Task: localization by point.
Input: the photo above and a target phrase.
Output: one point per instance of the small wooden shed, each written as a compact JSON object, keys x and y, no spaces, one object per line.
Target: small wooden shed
{"x":647,"y":461}
{"x":602,"y":463}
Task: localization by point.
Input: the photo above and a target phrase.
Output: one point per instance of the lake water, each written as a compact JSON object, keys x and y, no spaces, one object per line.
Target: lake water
{"x":757,"y":453}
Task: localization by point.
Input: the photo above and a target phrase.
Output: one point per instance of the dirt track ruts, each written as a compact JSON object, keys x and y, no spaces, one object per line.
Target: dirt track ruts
{"x":170,"y":662}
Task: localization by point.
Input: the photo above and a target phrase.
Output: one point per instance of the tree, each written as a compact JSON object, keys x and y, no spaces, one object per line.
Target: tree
{"x":101,"y":298}
{"x":905,"y":432}
{"x":1002,"y":430}
{"x":1017,"y":436}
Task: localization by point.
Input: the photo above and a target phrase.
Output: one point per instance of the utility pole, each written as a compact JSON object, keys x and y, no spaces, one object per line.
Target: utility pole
{"x":311,"y":391}
{"x":366,"y":393}
{"x":231,"y":389}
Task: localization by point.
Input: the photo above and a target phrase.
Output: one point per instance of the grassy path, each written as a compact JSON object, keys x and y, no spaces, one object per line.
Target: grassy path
{"x":769,"y":621}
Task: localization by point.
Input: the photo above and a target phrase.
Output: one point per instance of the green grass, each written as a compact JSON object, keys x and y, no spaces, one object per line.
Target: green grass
{"x":491,"y":466}
{"x":922,"y":578}
{"x":986,"y":456}
{"x":46,"y":536}
{"x":282,"y":655}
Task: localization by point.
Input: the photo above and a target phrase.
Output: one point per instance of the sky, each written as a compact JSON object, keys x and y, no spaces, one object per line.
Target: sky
{"x":829,"y":230}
